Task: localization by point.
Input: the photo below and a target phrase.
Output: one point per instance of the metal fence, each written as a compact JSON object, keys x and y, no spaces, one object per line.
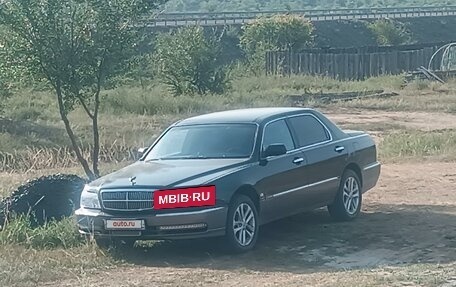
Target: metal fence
{"x":239,"y":18}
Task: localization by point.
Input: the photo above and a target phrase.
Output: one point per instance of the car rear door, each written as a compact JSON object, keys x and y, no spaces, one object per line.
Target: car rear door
{"x":281,"y":177}
{"x":325,"y":159}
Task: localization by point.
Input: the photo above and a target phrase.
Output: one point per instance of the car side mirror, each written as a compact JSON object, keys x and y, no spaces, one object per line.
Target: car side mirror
{"x":275,"y":150}
{"x":141,"y":151}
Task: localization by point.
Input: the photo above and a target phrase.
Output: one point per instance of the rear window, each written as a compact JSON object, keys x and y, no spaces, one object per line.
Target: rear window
{"x":308,"y":130}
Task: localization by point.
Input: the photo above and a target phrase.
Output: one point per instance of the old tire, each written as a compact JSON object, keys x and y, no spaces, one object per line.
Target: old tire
{"x":347,"y":204}
{"x":46,"y":198}
{"x":242,"y":225}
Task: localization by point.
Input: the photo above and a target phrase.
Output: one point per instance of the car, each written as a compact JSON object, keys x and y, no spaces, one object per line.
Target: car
{"x":227,"y":173}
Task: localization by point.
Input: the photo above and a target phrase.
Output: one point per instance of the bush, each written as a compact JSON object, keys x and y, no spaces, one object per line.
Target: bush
{"x":51,"y":235}
{"x":389,"y":32}
{"x":189,"y":62}
{"x":28,"y":104}
{"x":280,"y":32}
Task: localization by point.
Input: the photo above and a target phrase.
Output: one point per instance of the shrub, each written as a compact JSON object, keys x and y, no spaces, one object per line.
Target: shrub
{"x":280,"y":32}
{"x":389,"y":32}
{"x":189,"y":62}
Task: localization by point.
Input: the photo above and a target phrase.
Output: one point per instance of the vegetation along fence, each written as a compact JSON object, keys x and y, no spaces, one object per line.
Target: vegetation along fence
{"x":351,"y":63}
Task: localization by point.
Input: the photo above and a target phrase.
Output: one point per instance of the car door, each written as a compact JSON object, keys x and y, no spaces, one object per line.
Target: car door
{"x":325,"y":159}
{"x":281,"y":177}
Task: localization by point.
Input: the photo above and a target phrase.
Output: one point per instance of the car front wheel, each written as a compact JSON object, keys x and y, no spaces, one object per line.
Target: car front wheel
{"x":347,"y":204}
{"x":242,"y":224}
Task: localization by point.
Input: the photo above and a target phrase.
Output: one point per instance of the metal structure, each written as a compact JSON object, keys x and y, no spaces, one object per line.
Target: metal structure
{"x":239,"y":18}
{"x":447,"y":59}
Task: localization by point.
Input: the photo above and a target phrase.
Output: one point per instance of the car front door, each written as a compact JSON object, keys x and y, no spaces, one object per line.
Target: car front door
{"x":281,"y":176}
{"x":325,"y":159}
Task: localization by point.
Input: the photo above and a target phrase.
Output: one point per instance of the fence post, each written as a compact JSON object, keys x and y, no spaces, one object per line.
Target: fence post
{"x":356,"y":67}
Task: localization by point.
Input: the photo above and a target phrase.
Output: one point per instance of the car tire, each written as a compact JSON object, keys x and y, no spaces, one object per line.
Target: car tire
{"x":242,"y":225}
{"x":347,"y":204}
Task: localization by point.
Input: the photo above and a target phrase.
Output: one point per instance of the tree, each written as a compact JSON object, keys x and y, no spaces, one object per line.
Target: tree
{"x":389,"y":32}
{"x":281,"y":32}
{"x":190,"y":62}
{"x":76,"y":46}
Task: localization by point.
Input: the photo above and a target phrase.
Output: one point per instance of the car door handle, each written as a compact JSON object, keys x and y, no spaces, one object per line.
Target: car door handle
{"x":298,"y":160}
{"x":339,"y":149}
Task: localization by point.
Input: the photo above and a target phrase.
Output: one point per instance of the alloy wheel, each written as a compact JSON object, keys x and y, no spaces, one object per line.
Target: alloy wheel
{"x":244,"y":224}
{"x":351,"y":194}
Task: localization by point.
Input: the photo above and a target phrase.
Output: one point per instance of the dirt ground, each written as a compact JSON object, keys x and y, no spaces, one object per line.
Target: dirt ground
{"x":380,"y":119}
{"x":408,"y":219}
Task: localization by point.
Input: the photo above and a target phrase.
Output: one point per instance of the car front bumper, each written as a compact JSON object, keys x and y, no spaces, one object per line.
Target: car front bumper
{"x":172,"y":225}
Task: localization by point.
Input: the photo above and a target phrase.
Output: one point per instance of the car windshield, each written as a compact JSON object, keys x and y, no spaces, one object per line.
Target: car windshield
{"x":205,"y":142}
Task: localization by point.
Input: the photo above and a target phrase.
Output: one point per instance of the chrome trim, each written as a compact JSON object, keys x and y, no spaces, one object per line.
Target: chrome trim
{"x":127,"y":200}
{"x":305,"y":186}
{"x":299,"y":148}
{"x":370,"y":166}
{"x":190,"y":212}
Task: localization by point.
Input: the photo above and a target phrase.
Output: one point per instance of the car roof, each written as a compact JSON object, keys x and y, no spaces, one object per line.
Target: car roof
{"x":254,"y":115}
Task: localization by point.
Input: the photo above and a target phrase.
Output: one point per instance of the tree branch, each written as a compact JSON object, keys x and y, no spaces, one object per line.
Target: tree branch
{"x":86,"y":108}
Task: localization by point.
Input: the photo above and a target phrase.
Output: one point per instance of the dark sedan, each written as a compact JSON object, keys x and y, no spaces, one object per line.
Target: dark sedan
{"x":228,"y":173}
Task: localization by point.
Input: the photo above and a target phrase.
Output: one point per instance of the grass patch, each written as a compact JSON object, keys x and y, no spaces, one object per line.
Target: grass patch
{"x":54,"y":252}
{"x":51,"y":235}
{"x":418,"y":145}
{"x":282,"y":85}
{"x":417,"y":96}
{"x":21,"y":266}
{"x":29,"y":104}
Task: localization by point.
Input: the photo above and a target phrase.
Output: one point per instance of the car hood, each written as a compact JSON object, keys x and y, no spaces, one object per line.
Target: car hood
{"x":169,"y":173}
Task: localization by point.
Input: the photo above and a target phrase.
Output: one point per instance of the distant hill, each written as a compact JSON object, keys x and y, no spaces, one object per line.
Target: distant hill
{"x":258,"y":5}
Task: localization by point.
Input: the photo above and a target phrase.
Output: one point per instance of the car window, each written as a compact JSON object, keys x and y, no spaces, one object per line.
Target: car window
{"x":205,"y":141}
{"x":278,"y":133}
{"x":308,"y":130}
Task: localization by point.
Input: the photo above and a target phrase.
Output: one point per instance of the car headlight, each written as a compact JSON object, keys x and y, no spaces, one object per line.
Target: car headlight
{"x":89,"y":198}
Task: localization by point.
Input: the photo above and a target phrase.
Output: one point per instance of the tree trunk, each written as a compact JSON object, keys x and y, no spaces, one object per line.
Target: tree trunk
{"x":77,"y":150}
{"x":96,"y":136}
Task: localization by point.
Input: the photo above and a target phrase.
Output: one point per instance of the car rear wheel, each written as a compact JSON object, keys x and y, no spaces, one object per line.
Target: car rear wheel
{"x":347,"y":204}
{"x":242,"y":225}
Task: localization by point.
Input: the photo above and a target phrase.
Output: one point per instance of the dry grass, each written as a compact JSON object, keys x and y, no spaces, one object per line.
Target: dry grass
{"x":418,"y":145}
{"x":433,"y":97}
{"x":21,"y":266}
{"x":32,"y":158}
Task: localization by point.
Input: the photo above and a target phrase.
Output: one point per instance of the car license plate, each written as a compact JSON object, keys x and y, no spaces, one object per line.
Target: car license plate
{"x":124,"y":224}
{"x":184,"y":197}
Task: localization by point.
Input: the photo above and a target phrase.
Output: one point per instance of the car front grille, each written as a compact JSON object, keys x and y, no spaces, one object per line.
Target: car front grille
{"x":128,"y":200}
